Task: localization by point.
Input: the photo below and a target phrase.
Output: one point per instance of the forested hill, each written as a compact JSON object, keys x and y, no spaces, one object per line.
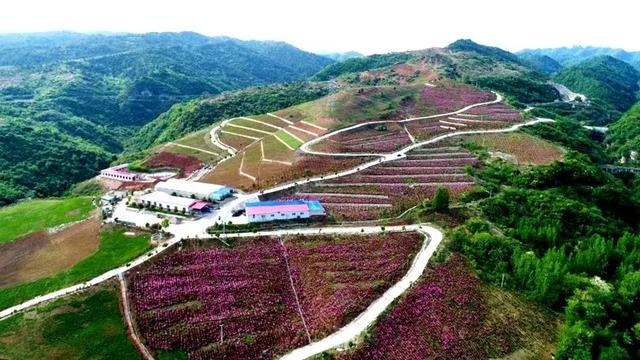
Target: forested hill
{"x":130,"y":79}
{"x":85,"y":95}
{"x":623,"y":137}
{"x":604,"y":78}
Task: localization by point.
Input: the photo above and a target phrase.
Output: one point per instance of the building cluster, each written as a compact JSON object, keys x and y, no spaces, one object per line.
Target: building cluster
{"x":119,"y":173}
{"x":188,"y":197}
{"x":262,"y":211}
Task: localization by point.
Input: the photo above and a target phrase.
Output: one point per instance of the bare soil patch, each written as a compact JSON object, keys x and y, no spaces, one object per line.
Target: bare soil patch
{"x":40,"y":254}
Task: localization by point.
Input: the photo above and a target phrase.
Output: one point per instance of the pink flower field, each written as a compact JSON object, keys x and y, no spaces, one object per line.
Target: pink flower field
{"x":443,"y":317}
{"x":402,"y":183}
{"x":447,"y":99}
{"x":238,"y":303}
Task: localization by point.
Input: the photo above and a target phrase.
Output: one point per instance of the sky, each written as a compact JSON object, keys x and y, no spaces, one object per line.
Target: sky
{"x":368,"y":27}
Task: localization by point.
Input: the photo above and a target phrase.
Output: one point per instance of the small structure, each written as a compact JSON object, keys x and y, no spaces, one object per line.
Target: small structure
{"x":109,"y":199}
{"x":262,"y":211}
{"x":168,"y":202}
{"x":194,"y":189}
{"x":119,"y":173}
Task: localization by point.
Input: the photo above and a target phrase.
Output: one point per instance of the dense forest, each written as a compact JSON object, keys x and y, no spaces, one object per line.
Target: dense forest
{"x":84,"y":95}
{"x":604,"y":78}
{"x":623,"y":137}
{"x":566,"y":235}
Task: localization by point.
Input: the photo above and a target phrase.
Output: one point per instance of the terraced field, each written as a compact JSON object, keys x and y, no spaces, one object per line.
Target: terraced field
{"x":389,"y":188}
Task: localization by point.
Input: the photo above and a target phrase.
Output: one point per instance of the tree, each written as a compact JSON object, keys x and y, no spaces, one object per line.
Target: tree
{"x":441,"y":200}
{"x":165,"y":223}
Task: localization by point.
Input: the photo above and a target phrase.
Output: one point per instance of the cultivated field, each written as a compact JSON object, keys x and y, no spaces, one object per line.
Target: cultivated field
{"x":388,"y":189}
{"x":450,"y":314}
{"x":264,"y":296}
{"x":267,"y":143}
{"x":41,"y":254}
{"x":115,"y":249}
{"x":521,"y":148}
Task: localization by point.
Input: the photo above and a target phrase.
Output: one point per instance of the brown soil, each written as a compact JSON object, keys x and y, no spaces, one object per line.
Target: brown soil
{"x":38,"y":254}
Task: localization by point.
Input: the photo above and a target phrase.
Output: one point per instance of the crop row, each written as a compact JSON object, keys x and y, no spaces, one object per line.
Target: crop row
{"x":336,"y":199}
{"x":238,"y":302}
{"x":392,"y":171}
{"x":443,"y":317}
{"x":393,"y":179}
{"x":447,"y":99}
{"x":431,"y":163}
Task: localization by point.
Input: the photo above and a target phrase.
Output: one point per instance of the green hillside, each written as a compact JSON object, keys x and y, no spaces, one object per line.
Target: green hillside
{"x":541,"y":63}
{"x":603,"y":78}
{"x":624,"y":136}
{"x":79,"y":97}
{"x":360,"y":64}
{"x":467,"y":45}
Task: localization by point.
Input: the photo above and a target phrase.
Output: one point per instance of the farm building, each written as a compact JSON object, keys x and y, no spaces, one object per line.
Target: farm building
{"x":119,"y":173}
{"x":261,"y":211}
{"x":194,"y":189}
{"x":172,"y":203}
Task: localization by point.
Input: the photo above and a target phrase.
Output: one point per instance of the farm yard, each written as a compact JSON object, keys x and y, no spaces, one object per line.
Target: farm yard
{"x":263,"y":296}
{"x":389,"y":188}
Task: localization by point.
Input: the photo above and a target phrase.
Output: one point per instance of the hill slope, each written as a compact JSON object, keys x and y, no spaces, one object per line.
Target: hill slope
{"x":542,"y":63}
{"x":624,"y":136}
{"x":603,"y":78}
{"x":86,"y":94}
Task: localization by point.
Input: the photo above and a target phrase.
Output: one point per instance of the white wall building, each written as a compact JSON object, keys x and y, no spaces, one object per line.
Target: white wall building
{"x":195,"y":189}
{"x":165,"y":201}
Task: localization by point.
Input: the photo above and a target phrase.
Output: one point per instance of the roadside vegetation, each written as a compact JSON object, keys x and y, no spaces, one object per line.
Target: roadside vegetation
{"x":115,"y":249}
{"x":87,"y":325}
{"x":35,"y":215}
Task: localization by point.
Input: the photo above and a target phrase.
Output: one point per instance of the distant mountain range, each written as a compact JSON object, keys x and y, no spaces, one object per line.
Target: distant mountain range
{"x":78,"y":97}
{"x":567,"y":56}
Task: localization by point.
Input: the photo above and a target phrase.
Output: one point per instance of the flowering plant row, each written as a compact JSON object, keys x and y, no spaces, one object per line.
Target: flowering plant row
{"x":443,"y":317}
{"x":238,"y":303}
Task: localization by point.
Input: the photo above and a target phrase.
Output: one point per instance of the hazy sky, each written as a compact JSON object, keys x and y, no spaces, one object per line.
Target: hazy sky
{"x":364,"y":26}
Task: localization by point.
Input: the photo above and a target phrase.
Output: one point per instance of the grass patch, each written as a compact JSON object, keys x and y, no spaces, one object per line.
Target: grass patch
{"x":115,"y":249}
{"x":290,"y":140}
{"x":35,"y":215}
{"x":253,"y":125}
{"x":200,"y":139}
{"x":200,"y":155}
{"x":82,"y":326}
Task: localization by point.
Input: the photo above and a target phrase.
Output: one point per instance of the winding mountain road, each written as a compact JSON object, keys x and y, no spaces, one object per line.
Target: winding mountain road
{"x":198,"y":228}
